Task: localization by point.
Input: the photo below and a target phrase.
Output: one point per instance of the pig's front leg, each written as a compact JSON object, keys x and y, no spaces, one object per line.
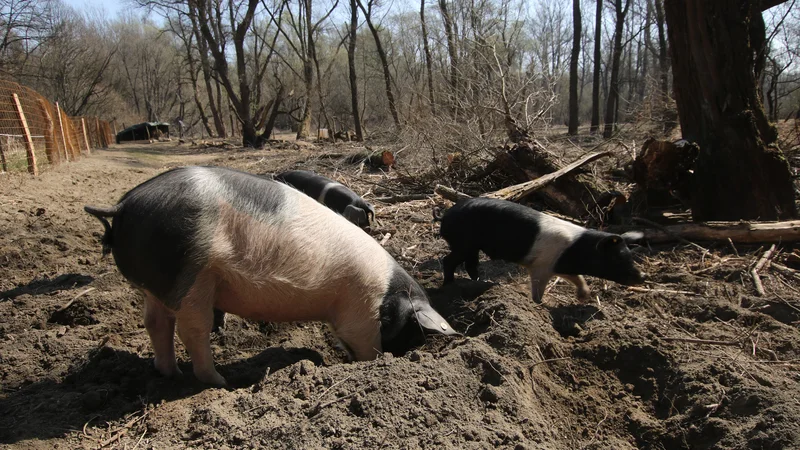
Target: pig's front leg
{"x":539,"y":279}
{"x":583,"y":293}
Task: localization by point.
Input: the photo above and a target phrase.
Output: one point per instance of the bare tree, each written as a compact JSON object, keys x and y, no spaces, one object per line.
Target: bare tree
{"x":351,"y":66}
{"x":387,"y":75}
{"x":613,"y":89}
{"x":573,"y":67}
{"x":598,"y":25}
{"x":428,"y":57}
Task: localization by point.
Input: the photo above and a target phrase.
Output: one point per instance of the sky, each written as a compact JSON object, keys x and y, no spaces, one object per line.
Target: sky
{"x":111,"y":7}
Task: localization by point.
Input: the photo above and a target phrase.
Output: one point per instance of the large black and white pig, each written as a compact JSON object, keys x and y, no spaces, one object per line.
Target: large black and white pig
{"x":331,"y":194}
{"x":198,"y":238}
{"x":544,"y":245}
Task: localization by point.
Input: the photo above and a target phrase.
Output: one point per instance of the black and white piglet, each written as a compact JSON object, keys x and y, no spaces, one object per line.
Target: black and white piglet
{"x":198,"y":238}
{"x":331,"y":194}
{"x":546,"y":246}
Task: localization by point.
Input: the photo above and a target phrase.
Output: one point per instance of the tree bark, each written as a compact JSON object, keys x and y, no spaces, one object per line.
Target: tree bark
{"x":573,"y":68}
{"x":598,"y":36}
{"x":351,"y":65}
{"x":387,"y":75}
{"x":304,"y":129}
{"x":451,"y":49}
{"x":740,"y":173}
{"x":428,"y":57}
{"x":613,"y":86}
{"x":663,"y":58}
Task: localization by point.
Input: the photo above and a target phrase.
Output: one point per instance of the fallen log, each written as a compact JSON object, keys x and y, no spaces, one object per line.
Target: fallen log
{"x":740,"y":232}
{"x":518,"y":191}
{"x":450,"y":193}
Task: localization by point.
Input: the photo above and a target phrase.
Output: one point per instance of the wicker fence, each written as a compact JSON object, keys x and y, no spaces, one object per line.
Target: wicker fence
{"x":36,"y":134}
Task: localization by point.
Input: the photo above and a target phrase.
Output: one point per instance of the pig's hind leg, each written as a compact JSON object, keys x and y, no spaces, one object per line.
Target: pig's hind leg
{"x":195,"y":318}
{"x":471,"y":265}
{"x":160,"y":325}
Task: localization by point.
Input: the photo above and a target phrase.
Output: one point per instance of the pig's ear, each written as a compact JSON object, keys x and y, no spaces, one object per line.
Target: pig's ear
{"x":633,"y":237}
{"x":431,"y":320}
{"x":610,"y":241}
{"x":355,"y":215}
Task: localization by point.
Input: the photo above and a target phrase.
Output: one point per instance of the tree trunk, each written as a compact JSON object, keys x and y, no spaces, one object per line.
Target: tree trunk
{"x":663,"y":58}
{"x":387,"y":75}
{"x":740,"y":173}
{"x":613,"y":87}
{"x":351,"y":64}
{"x":308,"y":73}
{"x":205,"y":66}
{"x":598,"y":36}
{"x":428,"y":58}
{"x":451,"y":49}
{"x":573,"y":67}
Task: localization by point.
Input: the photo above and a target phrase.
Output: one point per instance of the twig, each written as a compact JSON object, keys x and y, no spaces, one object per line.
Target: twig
{"x":548,"y":361}
{"x":450,"y":193}
{"x":385,"y":238}
{"x":701,"y":341}
{"x":80,"y":294}
{"x":788,"y":271}
{"x":402,"y":198}
{"x":663,"y":291}
{"x":759,"y":265}
{"x":332,"y":386}
{"x":736,"y":252}
{"x":123,"y":430}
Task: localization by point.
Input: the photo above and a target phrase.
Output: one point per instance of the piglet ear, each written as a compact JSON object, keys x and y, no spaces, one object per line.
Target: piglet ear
{"x":355,"y":215}
{"x":431,"y":320}
{"x":633,"y":237}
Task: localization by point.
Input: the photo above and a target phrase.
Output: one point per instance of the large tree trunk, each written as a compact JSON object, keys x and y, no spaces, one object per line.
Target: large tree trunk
{"x":205,"y":65}
{"x":351,"y":64}
{"x":573,"y":67}
{"x":598,"y":36}
{"x":740,"y":173}
{"x":428,"y":57}
{"x":613,"y":86}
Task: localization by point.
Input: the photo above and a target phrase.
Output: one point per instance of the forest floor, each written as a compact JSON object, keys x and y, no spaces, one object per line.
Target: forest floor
{"x":76,"y":364}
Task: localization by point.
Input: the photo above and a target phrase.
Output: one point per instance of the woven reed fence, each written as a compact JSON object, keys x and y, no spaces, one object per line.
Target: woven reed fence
{"x":36,"y":134}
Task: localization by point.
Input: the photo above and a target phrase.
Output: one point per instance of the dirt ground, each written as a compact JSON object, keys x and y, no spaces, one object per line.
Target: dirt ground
{"x":76,"y":364}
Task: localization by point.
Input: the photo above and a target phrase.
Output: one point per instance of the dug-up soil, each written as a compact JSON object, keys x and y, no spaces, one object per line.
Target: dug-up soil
{"x":76,"y":364}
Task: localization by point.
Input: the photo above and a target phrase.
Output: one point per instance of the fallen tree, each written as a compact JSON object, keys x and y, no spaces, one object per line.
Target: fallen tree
{"x":739,"y":232}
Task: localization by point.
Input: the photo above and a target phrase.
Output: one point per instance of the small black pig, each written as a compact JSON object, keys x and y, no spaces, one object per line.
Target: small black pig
{"x":546,"y":246}
{"x":331,"y":194}
{"x":198,"y":238}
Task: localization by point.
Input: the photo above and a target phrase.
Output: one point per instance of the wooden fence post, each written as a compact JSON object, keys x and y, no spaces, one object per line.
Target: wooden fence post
{"x":32,"y":168}
{"x":85,"y":137}
{"x":61,"y":127}
{"x":3,"y":156}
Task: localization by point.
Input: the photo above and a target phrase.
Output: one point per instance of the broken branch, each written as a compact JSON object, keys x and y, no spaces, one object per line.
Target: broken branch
{"x":760,"y":265}
{"x":518,"y":191}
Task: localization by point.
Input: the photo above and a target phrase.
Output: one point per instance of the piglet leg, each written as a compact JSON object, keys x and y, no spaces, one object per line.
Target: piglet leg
{"x":539,"y":279}
{"x":583,"y":294}
{"x":160,"y":324}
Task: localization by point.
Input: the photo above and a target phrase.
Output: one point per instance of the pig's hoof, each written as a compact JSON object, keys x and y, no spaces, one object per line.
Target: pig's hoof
{"x":212,"y":378}
{"x":168,"y":370}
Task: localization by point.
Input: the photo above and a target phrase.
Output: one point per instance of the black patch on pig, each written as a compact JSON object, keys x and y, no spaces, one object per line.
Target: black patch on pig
{"x":501,"y":229}
{"x":601,"y":255}
{"x":400,"y":330}
{"x":337,"y":197}
{"x":158,"y":243}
